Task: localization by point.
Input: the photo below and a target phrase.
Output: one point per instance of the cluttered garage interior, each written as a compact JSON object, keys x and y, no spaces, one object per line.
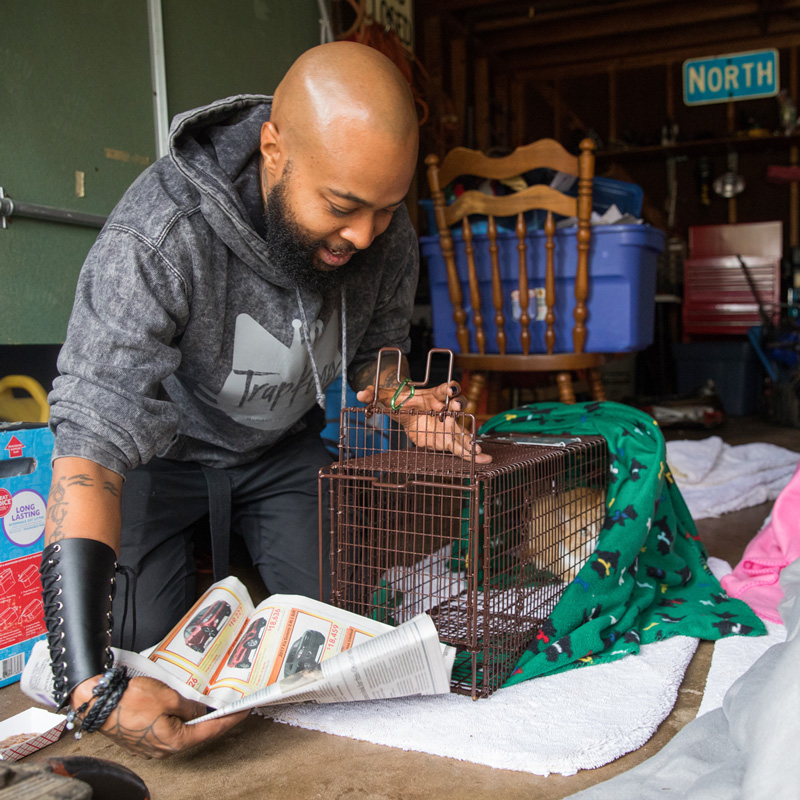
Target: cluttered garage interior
{"x":402,"y":383}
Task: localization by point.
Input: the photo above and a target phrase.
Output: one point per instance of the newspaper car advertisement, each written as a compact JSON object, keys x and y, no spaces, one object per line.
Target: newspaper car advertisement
{"x":231,"y":655}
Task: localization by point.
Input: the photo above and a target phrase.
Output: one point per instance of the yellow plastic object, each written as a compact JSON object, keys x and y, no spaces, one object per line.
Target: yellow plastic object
{"x":33,"y":408}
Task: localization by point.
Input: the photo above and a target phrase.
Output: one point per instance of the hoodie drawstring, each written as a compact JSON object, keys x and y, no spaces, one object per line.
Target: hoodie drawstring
{"x":310,"y":351}
{"x":344,"y":352}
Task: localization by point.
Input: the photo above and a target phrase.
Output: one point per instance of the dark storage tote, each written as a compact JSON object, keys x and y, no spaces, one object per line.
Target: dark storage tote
{"x":733,"y":366}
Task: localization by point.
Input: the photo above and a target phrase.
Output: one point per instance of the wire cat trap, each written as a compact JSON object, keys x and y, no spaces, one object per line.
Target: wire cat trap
{"x":485,"y":549}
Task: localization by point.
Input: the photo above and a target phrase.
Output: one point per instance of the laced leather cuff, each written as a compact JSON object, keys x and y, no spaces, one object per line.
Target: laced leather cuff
{"x":77,"y":589}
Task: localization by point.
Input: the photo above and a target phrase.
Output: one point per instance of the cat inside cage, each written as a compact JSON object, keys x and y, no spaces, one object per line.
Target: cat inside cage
{"x":563,"y":529}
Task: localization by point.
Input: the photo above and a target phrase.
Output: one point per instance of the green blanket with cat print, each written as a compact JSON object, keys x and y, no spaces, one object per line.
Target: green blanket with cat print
{"x":647,"y":578}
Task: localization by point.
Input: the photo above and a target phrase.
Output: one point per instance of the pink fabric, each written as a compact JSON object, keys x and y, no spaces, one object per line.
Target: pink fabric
{"x":756,"y":577}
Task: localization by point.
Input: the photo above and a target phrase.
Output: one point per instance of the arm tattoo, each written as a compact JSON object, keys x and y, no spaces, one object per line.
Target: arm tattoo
{"x":57,"y":509}
{"x":80,"y":480}
{"x":57,"y":504}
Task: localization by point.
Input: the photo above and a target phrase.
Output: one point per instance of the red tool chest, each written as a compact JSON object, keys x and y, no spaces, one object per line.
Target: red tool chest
{"x":717,"y":296}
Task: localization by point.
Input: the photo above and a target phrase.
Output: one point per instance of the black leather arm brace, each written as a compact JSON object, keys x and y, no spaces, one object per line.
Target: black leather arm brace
{"x":77,"y":589}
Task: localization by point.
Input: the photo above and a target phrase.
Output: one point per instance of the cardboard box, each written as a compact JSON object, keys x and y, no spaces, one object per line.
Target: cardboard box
{"x":25,"y":474}
{"x":43,"y":728}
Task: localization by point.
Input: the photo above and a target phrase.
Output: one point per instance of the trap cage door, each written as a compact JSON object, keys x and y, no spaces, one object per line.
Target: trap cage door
{"x":397,"y":520}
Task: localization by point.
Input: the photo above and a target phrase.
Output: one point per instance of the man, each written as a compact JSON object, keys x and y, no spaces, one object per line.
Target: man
{"x":236,"y":278}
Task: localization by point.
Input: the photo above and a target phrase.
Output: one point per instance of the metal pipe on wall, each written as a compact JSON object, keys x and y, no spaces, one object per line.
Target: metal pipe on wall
{"x":13,"y":208}
{"x":325,"y":29}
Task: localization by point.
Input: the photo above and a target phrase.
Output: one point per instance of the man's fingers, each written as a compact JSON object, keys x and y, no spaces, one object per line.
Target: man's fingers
{"x":428,"y":430}
{"x":185,"y":710}
{"x":452,"y":438}
{"x":366,"y":395}
{"x":458,"y":403}
{"x":204,"y":731}
{"x":181,"y":707}
{"x":445,"y":391}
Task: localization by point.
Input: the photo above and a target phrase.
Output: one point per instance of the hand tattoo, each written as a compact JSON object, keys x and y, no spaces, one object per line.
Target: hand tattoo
{"x":388,"y":376}
{"x":142,"y":742}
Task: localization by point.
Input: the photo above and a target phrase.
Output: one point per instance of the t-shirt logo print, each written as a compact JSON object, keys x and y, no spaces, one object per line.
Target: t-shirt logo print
{"x":270,"y":386}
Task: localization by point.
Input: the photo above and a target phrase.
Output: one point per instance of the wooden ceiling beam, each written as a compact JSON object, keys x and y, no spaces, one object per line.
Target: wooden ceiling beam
{"x":664,"y":19}
{"x":439,"y":7}
{"x":652,"y":48}
{"x":496,"y":23}
{"x":490,"y":9}
{"x":642,"y":60}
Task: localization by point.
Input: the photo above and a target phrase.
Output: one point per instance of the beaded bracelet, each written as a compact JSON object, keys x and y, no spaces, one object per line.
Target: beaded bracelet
{"x":107,"y":693}
{"x":403,"y":383}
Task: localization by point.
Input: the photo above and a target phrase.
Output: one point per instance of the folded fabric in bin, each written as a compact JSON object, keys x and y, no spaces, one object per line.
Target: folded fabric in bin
{"x":627,"y":197}
{"x":607,"y":193}
{"x":611,"y":216}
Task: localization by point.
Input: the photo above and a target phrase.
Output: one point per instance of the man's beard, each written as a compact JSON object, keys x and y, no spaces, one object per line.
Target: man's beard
{"x":293,"y":249}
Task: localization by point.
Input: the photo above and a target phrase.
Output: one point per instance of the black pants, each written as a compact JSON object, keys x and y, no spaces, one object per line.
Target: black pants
{"x":273,"y":506}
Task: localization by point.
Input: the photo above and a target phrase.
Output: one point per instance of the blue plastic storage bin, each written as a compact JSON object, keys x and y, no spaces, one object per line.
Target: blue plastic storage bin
{"x":362,"y":442}
{"x":622,"y":284}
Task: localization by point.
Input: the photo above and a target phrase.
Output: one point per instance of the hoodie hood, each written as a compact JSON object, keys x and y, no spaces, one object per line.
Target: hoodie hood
{"x":216,"y":148}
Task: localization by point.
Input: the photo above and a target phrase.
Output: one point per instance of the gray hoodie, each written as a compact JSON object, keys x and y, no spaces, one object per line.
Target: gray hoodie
{"x":186,"y":340}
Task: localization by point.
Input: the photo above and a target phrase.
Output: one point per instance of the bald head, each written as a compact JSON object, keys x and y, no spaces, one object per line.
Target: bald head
{"x":339,"y":150}
{"x":343,"y":88}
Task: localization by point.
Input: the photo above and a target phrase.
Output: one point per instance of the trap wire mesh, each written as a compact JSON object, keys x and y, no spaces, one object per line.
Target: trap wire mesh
{"x":486,"y":550}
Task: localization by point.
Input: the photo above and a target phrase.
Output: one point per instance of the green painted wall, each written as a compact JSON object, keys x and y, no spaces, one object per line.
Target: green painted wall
{"x":76,"y":96}
{"x":216,"y":48}
{"x":76,"y":80}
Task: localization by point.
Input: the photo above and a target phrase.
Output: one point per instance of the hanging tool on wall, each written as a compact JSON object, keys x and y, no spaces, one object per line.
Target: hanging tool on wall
{"x":730,"y":183}
{"x":775,"y":344}
{"x":703,"y":175}
{"x":766,"y":321}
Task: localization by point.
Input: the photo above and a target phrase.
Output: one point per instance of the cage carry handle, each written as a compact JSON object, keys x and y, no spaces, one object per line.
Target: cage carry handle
{"x":402,"y":382}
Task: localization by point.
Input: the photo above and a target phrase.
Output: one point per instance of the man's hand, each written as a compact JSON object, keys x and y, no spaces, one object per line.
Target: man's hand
{"x":149,"y":720}
{"x":427,"y":430}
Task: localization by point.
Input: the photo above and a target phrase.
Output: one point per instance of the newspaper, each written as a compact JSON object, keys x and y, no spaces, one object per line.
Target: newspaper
{"x":231,"y":655}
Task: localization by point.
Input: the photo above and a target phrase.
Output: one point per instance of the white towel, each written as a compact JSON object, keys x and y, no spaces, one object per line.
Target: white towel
{"x":579,"y":719}
{"x":690,"y":461}
{"x":735,"y":655}
{"x":715,"y":478}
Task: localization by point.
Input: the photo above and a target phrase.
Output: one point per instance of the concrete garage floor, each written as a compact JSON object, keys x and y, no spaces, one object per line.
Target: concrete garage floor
{"x":262,"y":759}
